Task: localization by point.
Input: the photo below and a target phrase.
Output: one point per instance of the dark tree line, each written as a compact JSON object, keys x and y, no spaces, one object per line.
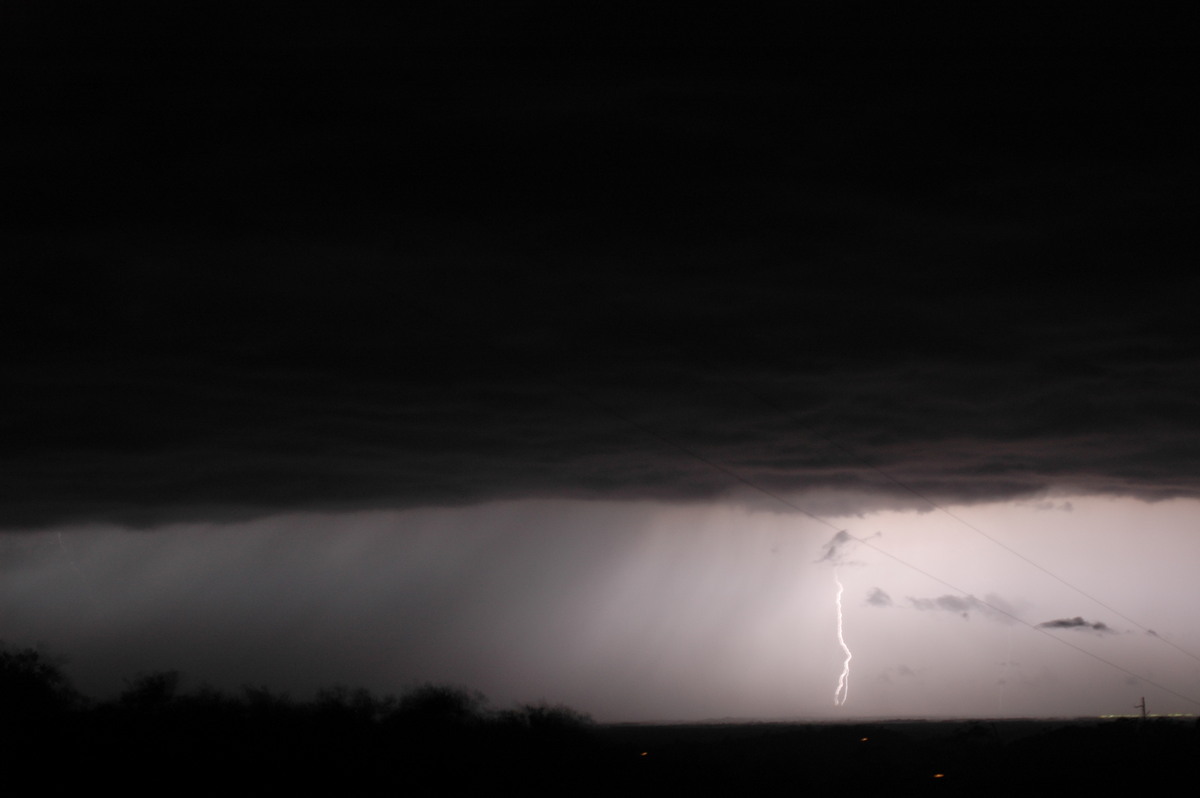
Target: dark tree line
{"x":156,"y":737}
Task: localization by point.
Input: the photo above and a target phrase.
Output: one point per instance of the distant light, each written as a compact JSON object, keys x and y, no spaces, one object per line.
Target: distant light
{"x":939,"y":775}
{"x":863,"y":739}
{"x":645,"y":753}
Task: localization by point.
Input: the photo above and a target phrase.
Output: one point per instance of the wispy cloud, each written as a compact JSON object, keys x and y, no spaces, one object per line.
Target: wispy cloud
{"x":834,"y":550}
{"x":991,"y":606}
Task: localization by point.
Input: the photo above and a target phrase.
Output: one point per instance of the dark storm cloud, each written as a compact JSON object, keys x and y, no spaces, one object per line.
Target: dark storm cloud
{"x":1077,"y":623}
{"x":284,"y":276}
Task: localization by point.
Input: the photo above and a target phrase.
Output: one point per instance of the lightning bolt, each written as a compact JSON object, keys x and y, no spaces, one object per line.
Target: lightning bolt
{"x":843,"y":686}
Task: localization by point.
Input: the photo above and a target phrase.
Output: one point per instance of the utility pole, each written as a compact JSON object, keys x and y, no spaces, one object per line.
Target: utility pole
{"x":1142,"y":706}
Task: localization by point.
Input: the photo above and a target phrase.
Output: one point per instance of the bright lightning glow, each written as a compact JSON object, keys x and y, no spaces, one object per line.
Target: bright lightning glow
{"x":843,"y":686}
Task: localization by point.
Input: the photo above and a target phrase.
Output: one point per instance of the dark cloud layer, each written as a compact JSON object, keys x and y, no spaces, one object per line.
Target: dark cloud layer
{"x":251,"y":276}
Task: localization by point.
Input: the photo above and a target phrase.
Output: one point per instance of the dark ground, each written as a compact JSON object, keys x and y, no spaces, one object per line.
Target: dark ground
{"x":277,"y":756}
{"x":962,"y":757}
{"x":155,"y":739}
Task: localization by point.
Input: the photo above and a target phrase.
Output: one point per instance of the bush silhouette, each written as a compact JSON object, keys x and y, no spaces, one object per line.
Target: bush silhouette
{"x":150,"y":692}
{"x":357,"y":705}
{"x":31,"y":686}
{"x":433,"y":706}
{"x":549,"y":718}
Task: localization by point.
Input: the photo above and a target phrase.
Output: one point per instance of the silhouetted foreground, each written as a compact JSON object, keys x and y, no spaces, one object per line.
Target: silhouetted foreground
{"x":153,"y":739}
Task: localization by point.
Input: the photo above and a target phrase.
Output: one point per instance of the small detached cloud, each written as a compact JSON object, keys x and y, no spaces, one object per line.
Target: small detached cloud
{"x":833,"y":549}
{"x":836,"y":551}
{"x":1077,"y":623}
{"x":878,"y":597}
{"x":990,"y":606}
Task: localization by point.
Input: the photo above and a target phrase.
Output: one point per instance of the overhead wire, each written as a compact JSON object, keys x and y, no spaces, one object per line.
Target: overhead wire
{"x":864,"y":541}
{"x":849,"y":452}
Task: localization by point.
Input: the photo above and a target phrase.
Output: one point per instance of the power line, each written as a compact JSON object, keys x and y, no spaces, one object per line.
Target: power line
{"x":849,"y":452}
{"x":792,"y":505}
{"x":1022,"y":621}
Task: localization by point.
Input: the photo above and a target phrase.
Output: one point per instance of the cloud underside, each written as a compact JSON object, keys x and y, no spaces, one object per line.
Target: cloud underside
{"x":445,"y":291}
{"x":357,"y":412}
{"x":156,"y":437}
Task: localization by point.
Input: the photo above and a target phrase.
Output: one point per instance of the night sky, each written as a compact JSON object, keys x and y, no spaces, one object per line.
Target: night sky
{"x":550,"y":356}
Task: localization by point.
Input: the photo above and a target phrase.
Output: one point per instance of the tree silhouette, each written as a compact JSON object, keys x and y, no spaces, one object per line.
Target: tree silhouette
{"x":150,"y":692}
{"x":31,"y":686}
{"x":434,"y":706}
